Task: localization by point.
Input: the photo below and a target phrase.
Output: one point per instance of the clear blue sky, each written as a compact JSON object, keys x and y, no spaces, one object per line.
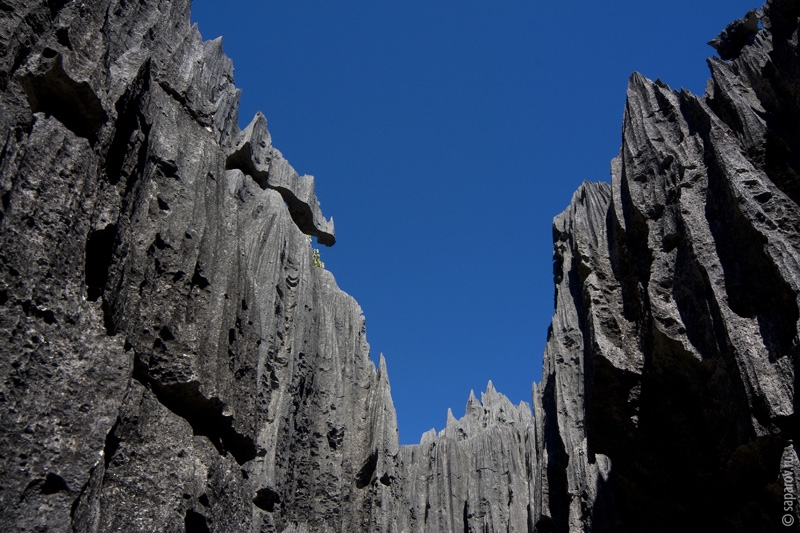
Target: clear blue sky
{"x":444,"y":137}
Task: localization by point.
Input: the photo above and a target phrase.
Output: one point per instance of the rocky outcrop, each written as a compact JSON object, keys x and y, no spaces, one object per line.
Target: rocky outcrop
{"x":172,"y":360}
{"x":668,"y":394}
{"x":475,"y":475}
{"x":255,"y":156}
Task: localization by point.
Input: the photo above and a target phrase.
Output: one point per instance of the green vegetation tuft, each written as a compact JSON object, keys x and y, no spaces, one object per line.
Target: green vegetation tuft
{"x":315,"y":259}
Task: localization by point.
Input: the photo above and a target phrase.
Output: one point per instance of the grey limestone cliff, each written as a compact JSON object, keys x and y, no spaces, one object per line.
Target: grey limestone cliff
{"x":172,"y":360}
{"x":475,"y":475}
{"x":668,"y":395}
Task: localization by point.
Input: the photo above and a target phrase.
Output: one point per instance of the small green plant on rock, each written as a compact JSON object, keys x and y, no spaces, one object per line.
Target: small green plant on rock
{"x":315,"y":259}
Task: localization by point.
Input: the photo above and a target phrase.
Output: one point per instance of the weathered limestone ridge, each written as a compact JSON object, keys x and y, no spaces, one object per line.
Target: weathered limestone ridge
{"x":668,"y":394}
{"x":475,"y":475}
{"x":492,"y":409}
{"x":254,"y":154}
{"x":172,"y":360}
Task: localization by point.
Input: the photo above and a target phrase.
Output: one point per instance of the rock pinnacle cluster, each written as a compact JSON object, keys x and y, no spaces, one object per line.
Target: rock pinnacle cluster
{"x":171,"y":359}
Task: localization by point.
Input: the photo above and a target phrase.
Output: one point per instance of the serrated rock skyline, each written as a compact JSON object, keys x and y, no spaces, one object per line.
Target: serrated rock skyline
{"x":174,"y":361}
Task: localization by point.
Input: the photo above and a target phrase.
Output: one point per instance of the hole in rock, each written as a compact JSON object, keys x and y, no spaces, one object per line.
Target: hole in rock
{"x":365,"y":475}
{"x":198,"y":279}
{"x":62,"y":36}
{"x":55,"y":6}
{"x":53,"y":483}
{"x":99,"y":253}
{"x":266,"y":499}
{"x":111,"y":445}
{"x":195,"y":522}
{"x":73,"y":104}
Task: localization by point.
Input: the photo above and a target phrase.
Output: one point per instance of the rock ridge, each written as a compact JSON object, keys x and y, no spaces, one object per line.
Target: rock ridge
{"x":668,"y":393}
{"x":254,"y":155}
{"x":173,"y":360}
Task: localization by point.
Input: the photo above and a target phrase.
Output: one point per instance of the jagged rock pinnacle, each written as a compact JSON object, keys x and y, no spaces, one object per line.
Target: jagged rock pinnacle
{"x":254,"y":155}
{"x":172,"y":360}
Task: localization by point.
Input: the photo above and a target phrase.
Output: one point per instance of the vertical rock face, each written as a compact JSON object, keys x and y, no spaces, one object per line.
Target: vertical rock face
{"x":173,"y":361}
{"x":668,"y":394}
{"x":171,"y":358}
{"x":475,"y":475}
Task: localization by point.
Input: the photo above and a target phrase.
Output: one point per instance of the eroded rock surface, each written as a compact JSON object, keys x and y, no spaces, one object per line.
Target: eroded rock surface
{"x":254,"y":154}
{"x":475,"y":475}
{"x":173,"y":361}
{"x":171,"y":358}
{"x":668,"y":395}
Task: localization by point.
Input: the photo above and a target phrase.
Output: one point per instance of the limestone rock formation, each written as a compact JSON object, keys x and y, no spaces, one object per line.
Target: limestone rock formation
{"x":475,"y":475}
{"x":256,"y":157}
{"x":172,"y":360}
{"x":668,"y":392}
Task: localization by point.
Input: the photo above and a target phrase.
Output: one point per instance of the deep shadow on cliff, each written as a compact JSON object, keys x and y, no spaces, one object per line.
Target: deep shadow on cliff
{"x":671,"y":366}
{"x":173,"y":360}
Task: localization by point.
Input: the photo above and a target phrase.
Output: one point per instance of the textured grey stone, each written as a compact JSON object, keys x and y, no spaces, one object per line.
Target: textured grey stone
{"x":173,"y":361}
{"x":475,"y":475}
{"x":668,"y":395}
{"x":256,"y":157}
{"x":736,"y":36}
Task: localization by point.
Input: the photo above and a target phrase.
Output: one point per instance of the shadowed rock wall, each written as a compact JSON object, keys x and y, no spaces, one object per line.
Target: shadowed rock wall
{"x":668,"y":395}
{"x":173,"y":361}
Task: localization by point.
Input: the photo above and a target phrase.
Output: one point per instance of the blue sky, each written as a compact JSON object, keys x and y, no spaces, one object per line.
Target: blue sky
{"x":444,"y":137}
